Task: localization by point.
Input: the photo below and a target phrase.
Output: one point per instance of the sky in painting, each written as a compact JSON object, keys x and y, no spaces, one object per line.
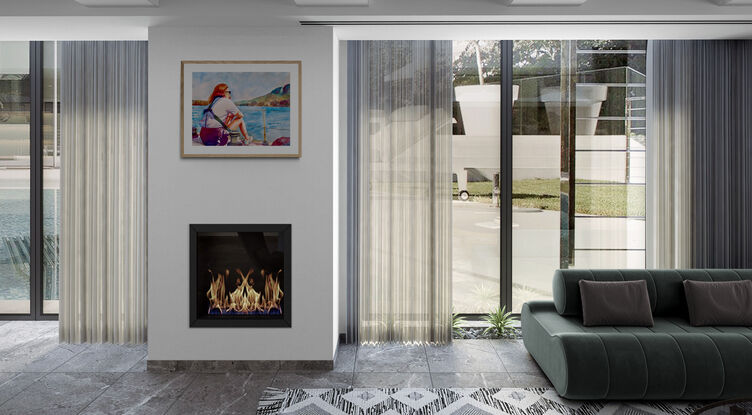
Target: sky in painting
{"x":244,"y":85}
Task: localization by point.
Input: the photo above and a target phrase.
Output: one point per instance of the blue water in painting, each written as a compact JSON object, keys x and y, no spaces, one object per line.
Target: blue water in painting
{"x":277,"y":121}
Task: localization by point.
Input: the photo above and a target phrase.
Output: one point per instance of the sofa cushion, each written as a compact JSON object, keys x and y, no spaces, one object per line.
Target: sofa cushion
{"x":615,"y":303}
{"x":727,"y":303}
{"x":665,"y":287}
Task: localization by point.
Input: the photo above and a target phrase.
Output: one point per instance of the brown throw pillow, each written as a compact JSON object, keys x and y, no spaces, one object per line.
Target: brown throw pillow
{"x":615,"y":303}
{"x":726,"y":303}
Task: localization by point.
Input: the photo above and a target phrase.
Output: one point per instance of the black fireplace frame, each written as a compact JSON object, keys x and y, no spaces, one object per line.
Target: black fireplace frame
{"x":283,"y":320}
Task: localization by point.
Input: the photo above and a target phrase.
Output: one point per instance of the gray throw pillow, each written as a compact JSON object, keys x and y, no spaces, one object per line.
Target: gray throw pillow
{"x":615,"y":303}
{"x":726,"y":303}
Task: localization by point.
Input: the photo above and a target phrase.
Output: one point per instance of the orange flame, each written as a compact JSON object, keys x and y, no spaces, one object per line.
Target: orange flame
{"x":272,"y":293}
{"x":244,"y":299}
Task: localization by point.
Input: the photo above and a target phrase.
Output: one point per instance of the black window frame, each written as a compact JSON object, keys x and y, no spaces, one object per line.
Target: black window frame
{"x":36,"y":270}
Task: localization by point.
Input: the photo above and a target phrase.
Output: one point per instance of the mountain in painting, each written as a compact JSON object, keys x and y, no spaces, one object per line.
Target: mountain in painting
{"x":278,"y":97}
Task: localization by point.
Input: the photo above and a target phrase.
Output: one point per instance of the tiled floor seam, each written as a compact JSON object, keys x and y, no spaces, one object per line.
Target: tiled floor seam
{"x":72,"y":356}
{"x":97,"y":397}
{"x":355,"y":364}
{"x":103,"y":389}
{"x":500,"y":359}
{"x":134,"y":365}
{"x":428,"y":364}
{"x":245,"y":392}
{"x":276,"y":373}
{"x":355,"y":360}
{"x":430,"y":376}
{"x":188,"y":386}
{"x":23,"y":389}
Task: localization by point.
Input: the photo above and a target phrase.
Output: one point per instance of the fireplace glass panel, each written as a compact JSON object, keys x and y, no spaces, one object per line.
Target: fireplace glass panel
{"x":240,"y":277}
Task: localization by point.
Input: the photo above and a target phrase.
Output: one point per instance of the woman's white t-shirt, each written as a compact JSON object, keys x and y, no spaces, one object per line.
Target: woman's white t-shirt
{"x":222,"y":108}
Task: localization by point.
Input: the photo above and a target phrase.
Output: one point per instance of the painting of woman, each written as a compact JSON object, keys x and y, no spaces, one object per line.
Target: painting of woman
{"x":240,"y":108}
{"x":220,"y":117}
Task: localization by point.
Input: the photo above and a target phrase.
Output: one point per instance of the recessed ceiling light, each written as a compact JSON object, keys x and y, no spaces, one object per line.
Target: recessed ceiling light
{"x":545,"y":2}
{"x":331,"y":3}
{"x":733,"y":2}
{"x":118,"y":3}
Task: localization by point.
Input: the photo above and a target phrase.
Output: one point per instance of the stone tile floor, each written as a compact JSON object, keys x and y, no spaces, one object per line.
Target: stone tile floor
{"x":40,"y":376}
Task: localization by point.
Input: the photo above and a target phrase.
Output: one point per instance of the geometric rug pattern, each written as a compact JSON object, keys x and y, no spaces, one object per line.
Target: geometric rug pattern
{"x":461,"y":401}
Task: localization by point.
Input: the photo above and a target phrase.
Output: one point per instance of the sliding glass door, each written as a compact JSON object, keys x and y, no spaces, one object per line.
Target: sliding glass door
{"x":537,"y":151}
{"x":578,"y":186}
{"x":576,"y":157}
{"x":29,"y":180}
{"x":15,"y":184}
{"x":476,"y":148}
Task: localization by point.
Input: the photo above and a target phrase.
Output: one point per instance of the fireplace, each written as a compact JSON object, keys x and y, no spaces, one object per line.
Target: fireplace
{"x":240,"y":275}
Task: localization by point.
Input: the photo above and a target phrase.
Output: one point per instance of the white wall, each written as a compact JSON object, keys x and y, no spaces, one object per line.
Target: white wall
{"x":343,"y":184}
{"x":338,"y":215}
{"x":295,"y":191}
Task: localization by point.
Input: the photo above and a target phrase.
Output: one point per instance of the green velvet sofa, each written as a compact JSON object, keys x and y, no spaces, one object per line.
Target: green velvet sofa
{"x":671,"y":360}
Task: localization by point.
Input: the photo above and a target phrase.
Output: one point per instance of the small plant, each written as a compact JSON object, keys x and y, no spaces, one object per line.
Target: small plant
{"x":500,"y":320}
{"x":457,"y":321}
{"x":485,"y":296}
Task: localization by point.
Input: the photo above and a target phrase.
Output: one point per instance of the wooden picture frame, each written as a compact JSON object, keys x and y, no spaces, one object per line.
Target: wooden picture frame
{"x":240,"y":108}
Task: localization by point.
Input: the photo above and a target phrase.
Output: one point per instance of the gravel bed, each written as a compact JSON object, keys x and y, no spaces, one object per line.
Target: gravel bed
{"x":477,"y":333}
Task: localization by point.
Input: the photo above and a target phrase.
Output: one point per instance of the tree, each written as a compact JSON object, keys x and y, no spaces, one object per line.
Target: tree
{"x":465,"y":65}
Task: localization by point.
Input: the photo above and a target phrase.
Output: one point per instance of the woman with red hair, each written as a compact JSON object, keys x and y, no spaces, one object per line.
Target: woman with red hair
{"x":221,"y":116}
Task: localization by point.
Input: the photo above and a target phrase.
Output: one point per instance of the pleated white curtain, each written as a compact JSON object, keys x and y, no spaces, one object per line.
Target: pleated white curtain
{"x":103,"y":247}
{"x":669,"y":182}
{"x":404,"y":132}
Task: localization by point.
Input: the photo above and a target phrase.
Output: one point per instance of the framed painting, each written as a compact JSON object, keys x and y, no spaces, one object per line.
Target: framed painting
{"x":240,"y":108}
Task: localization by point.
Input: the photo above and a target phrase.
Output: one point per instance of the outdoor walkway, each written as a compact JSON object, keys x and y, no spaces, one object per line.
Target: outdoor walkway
{"x":40,"y":376}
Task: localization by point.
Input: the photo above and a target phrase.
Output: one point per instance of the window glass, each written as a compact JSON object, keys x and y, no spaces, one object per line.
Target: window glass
{"x":15,"y":204}
{"x":50,"y":178}
{"x":476,"y":145}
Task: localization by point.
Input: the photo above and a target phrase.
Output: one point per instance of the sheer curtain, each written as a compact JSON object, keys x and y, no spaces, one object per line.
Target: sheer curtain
{"x":701,"y":135}
{"x":669,"y":182}
{"x":103,"y":247}
{"x":722,"y":154}
{"x":400,"y":93}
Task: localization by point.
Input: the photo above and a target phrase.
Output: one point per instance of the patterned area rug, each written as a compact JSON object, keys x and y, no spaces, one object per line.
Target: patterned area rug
{"x":476,"y":401}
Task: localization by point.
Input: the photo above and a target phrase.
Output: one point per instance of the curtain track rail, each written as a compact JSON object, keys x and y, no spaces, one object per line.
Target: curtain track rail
{"x":517,"y":22}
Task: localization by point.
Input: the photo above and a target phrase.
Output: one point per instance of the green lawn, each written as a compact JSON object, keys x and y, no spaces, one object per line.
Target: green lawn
{"x":602,"y":200}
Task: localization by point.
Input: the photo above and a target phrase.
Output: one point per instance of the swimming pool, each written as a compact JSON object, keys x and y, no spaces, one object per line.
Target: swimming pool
{"x":14,"y":234}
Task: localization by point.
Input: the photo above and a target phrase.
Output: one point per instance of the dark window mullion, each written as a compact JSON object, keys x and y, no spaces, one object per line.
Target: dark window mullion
{"x":506,"y":173}
{"x":35,"y":159}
